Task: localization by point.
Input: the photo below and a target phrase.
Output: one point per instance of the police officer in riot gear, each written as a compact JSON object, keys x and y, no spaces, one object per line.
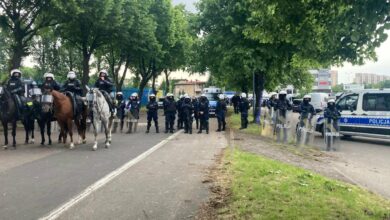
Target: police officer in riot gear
{"x":120,"y":107}
{"x":306,"y":110}
{"x":220,"y":112}
{"x":244,"y":107}
{"x":133,"y":106}
{"x":170,"y":112}
{"x":332,"y":113}
{"x":50,"y":82}
{"x":105,"y":85}
{"x":195,"y":103}
{"x":187,"y":111}
{"x":73,"y":86}
{"x":16,"y":88}
{"x":152,"y":113}
{"x":180,"y":116}
{"x":204,"y":114}
{"x":282,"y":104}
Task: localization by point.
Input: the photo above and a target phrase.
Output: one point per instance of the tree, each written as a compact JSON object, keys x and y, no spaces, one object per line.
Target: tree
{"x":3,"y":52}
{"x":276,"y":41}
{"x":88,"y":25}
{"x":23,"y":20}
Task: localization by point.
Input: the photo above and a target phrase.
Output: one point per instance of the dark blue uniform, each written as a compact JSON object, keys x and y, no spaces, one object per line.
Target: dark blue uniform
{"x":204,"y":114}
{"x":73,"y":86}
{"x":152,"y":114}
{"x":16,"y":88}
{"x":180,"y":116}
{"x":187,"y":111}
{"x":195,"y":103}
{"x":244,"y":108}
{"x":220,"y":112}
{"x":106,"y":86}
{"x":170,"y":113}
{"x":51,"y":85}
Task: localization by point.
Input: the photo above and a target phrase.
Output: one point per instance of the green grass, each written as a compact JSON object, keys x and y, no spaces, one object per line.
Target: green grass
{"x":267,"y":189}
{"x":234,"y":121}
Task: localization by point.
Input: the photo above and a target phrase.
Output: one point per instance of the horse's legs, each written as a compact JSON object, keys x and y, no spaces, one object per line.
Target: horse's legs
{"x":14,"y":133}
{"x":110,"y":122}
{"x":42,"y":130}
{"x":94,"y":125}
{"x":32,"y":131}
{"x":70,"y":131}
{"x":5,"y":128}
{"x":106,"y":132}
{"x":48,"y":127}
{"x":26,"y":129}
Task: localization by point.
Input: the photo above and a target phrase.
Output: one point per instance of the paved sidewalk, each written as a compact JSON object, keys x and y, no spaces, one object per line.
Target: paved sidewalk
{"x":165,"y":185}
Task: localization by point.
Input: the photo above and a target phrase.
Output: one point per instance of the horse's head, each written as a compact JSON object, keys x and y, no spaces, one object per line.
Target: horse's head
{"x":47,"y":100}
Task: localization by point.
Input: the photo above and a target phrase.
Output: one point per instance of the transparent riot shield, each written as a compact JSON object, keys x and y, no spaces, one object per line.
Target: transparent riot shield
{"x":331,"y":135}
{"x":268,"y":122}
{"x":282,"y":126}
{"x":305,"y":131}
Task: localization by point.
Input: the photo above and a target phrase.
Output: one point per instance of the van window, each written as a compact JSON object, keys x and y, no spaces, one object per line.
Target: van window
{"x":376,"y":102}
{"x":348,"y":102}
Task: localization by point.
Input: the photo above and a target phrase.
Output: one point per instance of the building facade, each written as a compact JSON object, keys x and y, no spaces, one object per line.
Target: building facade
{"x":322,"y":80}
{"x":369,"y":78}
{"x":192,"y":88}
{"x":334,"y":75}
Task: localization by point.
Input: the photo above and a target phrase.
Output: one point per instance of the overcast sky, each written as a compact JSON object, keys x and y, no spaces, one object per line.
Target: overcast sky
{"x":381,"y":66}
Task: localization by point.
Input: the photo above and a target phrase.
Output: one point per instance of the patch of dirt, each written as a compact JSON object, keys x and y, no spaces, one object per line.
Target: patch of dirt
{"x":219,"y":181}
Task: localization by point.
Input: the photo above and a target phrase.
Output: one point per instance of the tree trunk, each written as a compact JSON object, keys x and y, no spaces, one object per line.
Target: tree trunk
{"x":167,"y":88}
{"x":154,"y":83}
{"x":142,"y":86}
{"x":259,"y":78}
{"x":17,"y":55}
{"x":120,"y":84}
{"x":85,"y":78}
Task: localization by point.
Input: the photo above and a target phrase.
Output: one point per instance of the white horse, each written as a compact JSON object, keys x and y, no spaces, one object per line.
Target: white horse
{"x":99,"y":110}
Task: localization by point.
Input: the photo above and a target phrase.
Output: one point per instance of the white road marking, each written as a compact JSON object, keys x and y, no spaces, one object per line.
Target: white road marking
{"x":109,"y":177}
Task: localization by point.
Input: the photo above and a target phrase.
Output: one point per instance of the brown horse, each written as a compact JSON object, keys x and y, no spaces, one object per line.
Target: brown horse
{"x":63,"y":112}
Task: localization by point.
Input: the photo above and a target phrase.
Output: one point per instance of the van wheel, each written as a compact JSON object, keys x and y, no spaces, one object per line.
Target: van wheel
{"x":346,"y":136}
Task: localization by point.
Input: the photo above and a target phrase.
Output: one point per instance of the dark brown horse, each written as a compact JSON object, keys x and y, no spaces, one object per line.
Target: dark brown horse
{"x":63,"y":112}
{"x":10,"y":114}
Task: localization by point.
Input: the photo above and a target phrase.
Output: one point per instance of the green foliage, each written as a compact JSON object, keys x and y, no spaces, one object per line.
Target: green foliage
{"x":267,"y":189}
{"x":338,"y":88}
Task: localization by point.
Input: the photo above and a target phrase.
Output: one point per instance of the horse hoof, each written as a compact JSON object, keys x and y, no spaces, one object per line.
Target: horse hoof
{"x":32,"y":141}
{"x":94,"y":148}
{"x":84,"y":141}
{"x":107,"y":145}
{"x":71,"y":146}
{"x":5,"y":147}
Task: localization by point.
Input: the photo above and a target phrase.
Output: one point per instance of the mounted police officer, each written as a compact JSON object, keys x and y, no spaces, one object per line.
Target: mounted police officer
{"x":244,"y":109}
{"x":120,"y":104}
{"x":180,"y":118}
{"x":133,"y":107}
{"x":16,"y":88}
{"x":203,"y":114}
{"x":50,"y":82}
{"x":220,"y":112}
{"x":152,"y":113}
{"x":105,"y":85}
{"x":170,"y":112}
{"x":73,"y":87}
{"x":187,"y":111}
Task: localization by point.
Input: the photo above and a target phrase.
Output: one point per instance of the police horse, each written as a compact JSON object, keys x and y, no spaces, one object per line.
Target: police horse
{"x":61,"y":106}
{"x":9,"y":113}
{"x":99,"y":111}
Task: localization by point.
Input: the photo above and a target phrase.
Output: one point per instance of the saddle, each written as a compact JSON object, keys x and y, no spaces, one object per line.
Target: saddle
{"x":77,"y":106}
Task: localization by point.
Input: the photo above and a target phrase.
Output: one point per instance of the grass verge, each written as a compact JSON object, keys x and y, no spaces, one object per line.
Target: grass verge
{"x":234,"y":121}
{"x":262,"y":188}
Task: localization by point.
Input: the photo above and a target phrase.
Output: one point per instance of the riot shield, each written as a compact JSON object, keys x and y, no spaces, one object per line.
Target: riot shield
{"x":331,"y":135}
{"x":305,"y":131}
{"x":282,"y":126}
{"x":268,"y":122}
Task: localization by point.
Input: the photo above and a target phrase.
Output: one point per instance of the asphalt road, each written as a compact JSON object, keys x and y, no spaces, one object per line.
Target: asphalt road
{"x":34,"y":180}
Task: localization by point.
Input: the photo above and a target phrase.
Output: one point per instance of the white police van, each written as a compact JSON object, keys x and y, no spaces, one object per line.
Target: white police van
{"x":363,"y":113}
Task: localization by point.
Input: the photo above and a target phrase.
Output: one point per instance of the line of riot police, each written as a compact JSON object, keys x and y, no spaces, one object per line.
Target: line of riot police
{"x":278,"y":120}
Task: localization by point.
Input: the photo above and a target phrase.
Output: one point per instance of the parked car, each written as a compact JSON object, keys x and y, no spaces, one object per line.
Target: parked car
{"x":363,"y":113}
{"x":160,"y":103}
{"x":319,"y":100}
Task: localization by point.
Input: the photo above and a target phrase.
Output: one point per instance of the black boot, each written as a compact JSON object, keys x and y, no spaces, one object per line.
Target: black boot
{"x":157,"y":129}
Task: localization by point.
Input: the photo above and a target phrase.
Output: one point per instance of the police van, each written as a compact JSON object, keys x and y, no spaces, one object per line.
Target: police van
{"x":363,"y":113}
